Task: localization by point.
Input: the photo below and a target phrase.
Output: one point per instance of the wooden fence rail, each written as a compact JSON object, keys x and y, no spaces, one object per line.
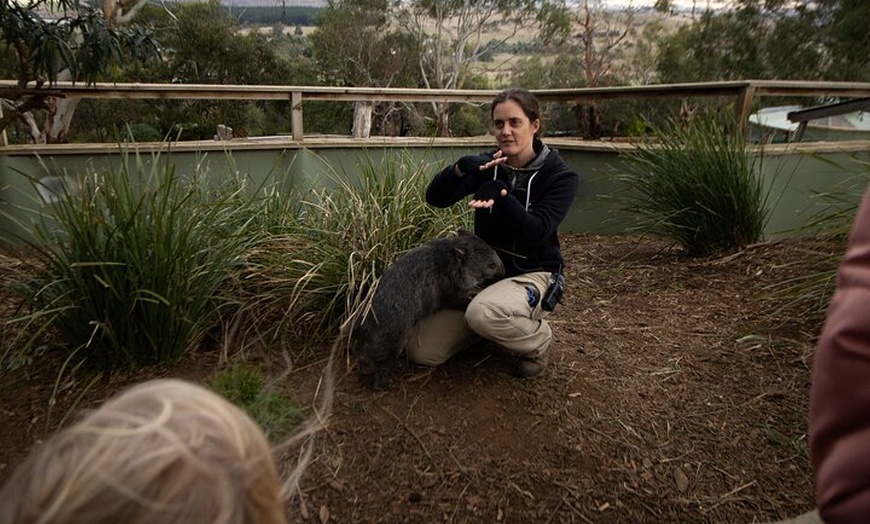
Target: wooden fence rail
{"x":744,"y":92}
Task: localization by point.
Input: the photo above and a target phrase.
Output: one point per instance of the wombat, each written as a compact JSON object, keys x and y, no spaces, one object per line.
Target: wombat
{"x":442,"y":273}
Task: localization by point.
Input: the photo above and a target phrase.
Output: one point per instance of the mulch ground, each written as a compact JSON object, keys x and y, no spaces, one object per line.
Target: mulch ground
{"x":677,"y":391}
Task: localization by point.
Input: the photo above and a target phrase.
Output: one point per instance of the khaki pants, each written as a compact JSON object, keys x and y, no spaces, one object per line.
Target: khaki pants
{"x":500,"y":313}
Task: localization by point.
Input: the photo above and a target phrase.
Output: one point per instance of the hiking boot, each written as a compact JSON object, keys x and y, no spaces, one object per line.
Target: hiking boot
{"x":530,"y":367}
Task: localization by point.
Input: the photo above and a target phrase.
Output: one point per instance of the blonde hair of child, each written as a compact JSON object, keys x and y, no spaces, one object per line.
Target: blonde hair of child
{"x":164,"y":451}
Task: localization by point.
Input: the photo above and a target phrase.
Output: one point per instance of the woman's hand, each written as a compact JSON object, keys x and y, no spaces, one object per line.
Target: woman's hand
{"x":488,"y":193}
{"x":498,"y":158}
{"x":472,"y":164}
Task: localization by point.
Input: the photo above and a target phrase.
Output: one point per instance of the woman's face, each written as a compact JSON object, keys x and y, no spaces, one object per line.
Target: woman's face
{"x":514,"y":133}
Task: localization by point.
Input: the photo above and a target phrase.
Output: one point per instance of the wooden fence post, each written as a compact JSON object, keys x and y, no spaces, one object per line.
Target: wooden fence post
{"x":745,"y":99}
{"x":296,"y":115}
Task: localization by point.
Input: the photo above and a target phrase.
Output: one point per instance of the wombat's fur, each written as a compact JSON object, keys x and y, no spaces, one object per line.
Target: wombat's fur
{"x":445,"y":272}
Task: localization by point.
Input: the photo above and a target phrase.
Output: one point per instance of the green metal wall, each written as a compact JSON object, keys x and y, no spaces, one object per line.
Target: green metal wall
{"x":795,"y":177}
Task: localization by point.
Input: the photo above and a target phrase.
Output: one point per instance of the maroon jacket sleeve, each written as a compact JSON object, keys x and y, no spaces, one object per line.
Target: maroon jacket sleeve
{"x":839,"y":421}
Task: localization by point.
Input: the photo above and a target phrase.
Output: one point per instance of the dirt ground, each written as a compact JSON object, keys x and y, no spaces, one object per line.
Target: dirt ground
{"x":676,"y":392}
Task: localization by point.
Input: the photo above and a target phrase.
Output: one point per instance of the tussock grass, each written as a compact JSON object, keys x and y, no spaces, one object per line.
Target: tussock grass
{"x":338,"y":241}
{"x":697,"y":185}
{"x":128,"y":261}
{"x":139,"y":265}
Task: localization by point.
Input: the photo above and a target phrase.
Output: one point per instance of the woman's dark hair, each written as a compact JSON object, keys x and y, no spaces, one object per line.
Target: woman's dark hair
{"x":526,"y":100}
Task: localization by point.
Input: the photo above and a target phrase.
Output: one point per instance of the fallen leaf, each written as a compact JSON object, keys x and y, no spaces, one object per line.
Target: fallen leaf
{"x":681,"y":479}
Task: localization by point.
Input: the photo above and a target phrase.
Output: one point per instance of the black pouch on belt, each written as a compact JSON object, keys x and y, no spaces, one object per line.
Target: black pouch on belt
{"x":553,"y":294}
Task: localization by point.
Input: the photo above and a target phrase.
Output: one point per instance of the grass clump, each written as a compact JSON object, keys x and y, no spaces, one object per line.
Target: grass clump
{"x":274,"y":408}
{"x":139,"y":265}
{"x":698,"y":185}
{"x":341,"y":239}
{"x":128,"y":261}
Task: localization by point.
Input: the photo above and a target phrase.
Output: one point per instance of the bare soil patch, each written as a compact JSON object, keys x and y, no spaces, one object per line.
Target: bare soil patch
{"x":676,"y":392}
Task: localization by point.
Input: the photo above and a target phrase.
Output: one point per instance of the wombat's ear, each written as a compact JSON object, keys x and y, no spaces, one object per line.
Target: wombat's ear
{"x":462,"y":232}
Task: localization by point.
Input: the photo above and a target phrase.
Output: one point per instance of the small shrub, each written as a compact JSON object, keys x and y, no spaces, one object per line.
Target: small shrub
{"x":141,"y":132}
{"x":468,"y":120}
{"x":697,"y":185}
{"x":272,"y":407}
{"x":129,"y":261}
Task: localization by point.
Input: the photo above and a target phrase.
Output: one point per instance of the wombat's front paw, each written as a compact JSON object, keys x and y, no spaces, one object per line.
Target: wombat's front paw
{"x":374,"y":375}
{"x":375,"y":382}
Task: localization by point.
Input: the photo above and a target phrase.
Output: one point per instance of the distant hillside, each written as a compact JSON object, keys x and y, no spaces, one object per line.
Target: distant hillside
{"x":263,"y":3}
{"x":273,"y":3}
{"x":267,"y":12}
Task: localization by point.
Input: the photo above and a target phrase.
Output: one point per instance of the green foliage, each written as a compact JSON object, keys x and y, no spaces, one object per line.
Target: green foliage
{"x":696,"y":52}
{"x":699,"y":186}
{"x":663,"y":6}
{"x":202,"y":44}
{"x":129,"y":261}
{"x":823,"y":40}
{"x":338,"y":241}
{"x":466,"y":120}
{"x":355,"y":45}
{"x":636,"y":127}
{"x":139,"y":265}
{"x":77,"y":38}
{"x":564,"y":71}
{"x":75,"y":42}
{"x":271,"y":405}
{"x":142,"y":132}
{"x":290,"y":15}
{"x":116,"y":121}
{"x":844,"y":33}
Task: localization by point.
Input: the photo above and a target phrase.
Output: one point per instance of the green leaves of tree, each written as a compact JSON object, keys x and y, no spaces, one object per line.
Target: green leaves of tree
{"x":823,"y":40}
{"x":77,"y":38}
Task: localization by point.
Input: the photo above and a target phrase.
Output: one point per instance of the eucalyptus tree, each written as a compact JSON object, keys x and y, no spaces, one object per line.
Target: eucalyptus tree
{"x":669,"y":6}
{"x":358,"y":43}
{"x":597,"y":35}
{"x":452,"y":39}
{"x":808,"y":40}
{"x":845,"y":37}
{"x":202,"y":45}
{"x":52,"y":40}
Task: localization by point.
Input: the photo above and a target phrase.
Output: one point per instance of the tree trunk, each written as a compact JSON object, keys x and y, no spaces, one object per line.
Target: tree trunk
{"x":362,"y":119}
{"x":594,"y":120}
{"x":442,"y":120}
{"x":588,"y":119}
{"x":60,"y":113}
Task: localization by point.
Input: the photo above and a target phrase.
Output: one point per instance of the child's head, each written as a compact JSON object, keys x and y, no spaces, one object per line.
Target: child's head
{"x":163,"y":451}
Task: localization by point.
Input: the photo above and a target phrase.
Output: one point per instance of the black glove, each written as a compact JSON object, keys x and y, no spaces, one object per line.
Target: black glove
{"x":470,"y":164}
{"x":490,"y":190}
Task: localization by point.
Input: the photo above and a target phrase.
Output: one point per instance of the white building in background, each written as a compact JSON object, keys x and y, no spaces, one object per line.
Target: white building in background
{"x":771,"y":124}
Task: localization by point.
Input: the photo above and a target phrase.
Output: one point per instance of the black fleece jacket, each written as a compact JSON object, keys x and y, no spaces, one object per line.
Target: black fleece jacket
{"x":523,"y":226}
